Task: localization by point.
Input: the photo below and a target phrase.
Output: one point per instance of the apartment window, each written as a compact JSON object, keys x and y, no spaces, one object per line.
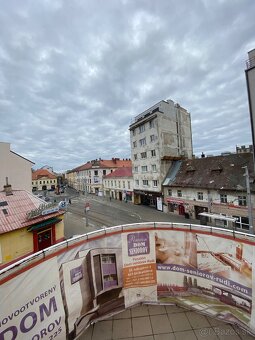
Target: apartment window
{"x":137,"y":181}
{"x":145,"y":182}
{"x":136,"y":169}
{"x":96,"y":172}
{"x":242,"y":200}
{"x":179,"y":193}
{"x":200,"y":196}
{"x":134,"y":132}
{"x":128,"y":185}
{"x":223,"y":198}
{"x":112,"y":183}
{"x":135,"y":144}
{"x":142,"y":141}
{"x":152,"y":137}
{"x":169,"y":192}
{"x":104,"y":172}
{"x":135,"y":156}
{"x":151,"y":124}
{"x":115,"y":184}
{"x":153,"y":153}
{"x":144,"y":168}
{"x":123,"y":184}
{"x":154,"y":167}
{"x":141,"y":128}
{"x":155,"y":183}
{"x":143,"y":154}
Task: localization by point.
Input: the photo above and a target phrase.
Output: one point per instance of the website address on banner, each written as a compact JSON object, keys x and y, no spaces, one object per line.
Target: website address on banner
{"x":205,"y":275}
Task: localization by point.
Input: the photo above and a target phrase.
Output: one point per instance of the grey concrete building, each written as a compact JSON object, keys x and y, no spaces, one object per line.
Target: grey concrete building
{"x":250,"y":81}
{"x":158,"y":136}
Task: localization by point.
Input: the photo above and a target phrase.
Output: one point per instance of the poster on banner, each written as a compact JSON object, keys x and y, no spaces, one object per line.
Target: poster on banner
{"x":204,"y":272}
{"x":139,"y":267}
{"x":33,"y":307}
{"x":91,"y":282}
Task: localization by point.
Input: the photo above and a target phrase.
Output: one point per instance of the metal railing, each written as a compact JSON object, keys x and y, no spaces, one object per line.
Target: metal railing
{"x":250,"y":63}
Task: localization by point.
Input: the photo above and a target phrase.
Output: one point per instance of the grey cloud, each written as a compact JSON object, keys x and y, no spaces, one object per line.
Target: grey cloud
{"x":73,"y":74}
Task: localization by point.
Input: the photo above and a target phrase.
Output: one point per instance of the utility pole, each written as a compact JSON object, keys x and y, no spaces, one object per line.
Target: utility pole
{"x":249,"y":199}
{"x":87,"y":208}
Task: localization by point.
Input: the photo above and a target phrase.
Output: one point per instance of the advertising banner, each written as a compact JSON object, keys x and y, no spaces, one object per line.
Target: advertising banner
{"x":210,"y":274}
{"x":31,"y":305}
{"x":102,"y":275}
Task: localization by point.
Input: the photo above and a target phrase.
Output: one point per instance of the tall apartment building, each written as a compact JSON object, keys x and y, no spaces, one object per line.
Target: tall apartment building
{"x":250,"y":81}
{"x":158,"y":136}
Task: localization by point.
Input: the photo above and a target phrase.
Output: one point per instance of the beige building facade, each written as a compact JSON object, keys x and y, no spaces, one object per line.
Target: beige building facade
{"x":16,"y":168}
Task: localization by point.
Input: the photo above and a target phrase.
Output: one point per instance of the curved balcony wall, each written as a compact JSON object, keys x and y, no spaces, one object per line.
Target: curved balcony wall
{"x":60,"y":291}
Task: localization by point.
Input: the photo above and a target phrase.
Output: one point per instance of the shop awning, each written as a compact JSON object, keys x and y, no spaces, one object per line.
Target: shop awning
{"x":174,"y":201}
{"x":44,"y":224}
{"x":218,"y":217}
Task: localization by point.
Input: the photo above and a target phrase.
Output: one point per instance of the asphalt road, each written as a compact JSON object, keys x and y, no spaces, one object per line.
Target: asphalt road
{"x":106,"y":213}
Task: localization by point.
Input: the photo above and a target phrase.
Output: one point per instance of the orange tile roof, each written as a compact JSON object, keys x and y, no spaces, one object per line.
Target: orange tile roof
{"x":17,"y":206}
{"x":120,"y":172}
{"x":42,"y":173}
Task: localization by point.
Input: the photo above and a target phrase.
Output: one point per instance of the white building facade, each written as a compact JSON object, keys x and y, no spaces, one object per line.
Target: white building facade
{"x":16,"y":168}
{"x":158,"y":136}
{"x":119,"y":185}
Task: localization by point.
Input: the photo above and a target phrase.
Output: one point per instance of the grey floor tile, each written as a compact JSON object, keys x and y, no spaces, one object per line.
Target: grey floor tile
{"x":141,"y":326}
{"x":186,"y":335}
{"x":122,"y":328}
{"x":206,"y":334}
{"x":160,"y":324}
{"x":166,"y":336}
{"x":226,"y":332}
{"x":156,"y":309}
{"x":140,"y":311}
{"x":174,"y":309}
{"x":179,"y":322}
{"x":123,"y":315}
{"x":243,"y":334}
{"x":102,"y":330}
{"x":197,"y":320}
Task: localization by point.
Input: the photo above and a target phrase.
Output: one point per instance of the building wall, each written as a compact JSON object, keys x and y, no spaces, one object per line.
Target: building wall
{"x":44,"y":181}
{"x":16,"y":168}
{"x":172,"y":137}
{"x":250,"y":81}
{"x":20,"y":242}
{"x":60,"y":230}
{"x":16,"y":244}
{"x":211,"y":201}
{"x":117,"y":187}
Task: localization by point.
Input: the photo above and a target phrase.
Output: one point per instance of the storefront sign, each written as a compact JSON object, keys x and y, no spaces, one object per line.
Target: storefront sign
{"x":174,"y":201}
{"x":43,"y":209}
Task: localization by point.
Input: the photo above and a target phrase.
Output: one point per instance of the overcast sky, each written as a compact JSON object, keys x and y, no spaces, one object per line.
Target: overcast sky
{"x":73,"y":74}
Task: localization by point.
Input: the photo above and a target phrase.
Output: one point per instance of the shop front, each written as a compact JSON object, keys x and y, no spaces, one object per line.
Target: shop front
{"x":146,"y":198}
{"x":175,"y":206}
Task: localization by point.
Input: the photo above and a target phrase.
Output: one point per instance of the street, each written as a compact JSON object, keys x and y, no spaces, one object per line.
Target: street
{"x":105,"y":213}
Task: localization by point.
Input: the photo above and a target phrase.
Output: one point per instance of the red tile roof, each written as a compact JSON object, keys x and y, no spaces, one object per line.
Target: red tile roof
{"x":37,"y":174}
{"x":104,"y":164}
{"x":120,"y":172}
{"x":17,"y":206}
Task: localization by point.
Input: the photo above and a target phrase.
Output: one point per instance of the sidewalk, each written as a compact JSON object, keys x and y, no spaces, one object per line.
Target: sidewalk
{"x":155,"y":322}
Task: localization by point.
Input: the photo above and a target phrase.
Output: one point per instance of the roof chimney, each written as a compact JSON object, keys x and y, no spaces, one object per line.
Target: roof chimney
{"x":8,"y":188}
